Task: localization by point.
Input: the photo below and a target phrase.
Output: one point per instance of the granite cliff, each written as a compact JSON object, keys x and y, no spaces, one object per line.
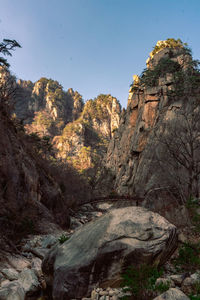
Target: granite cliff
{"x":36,"y":192}
{"x":153,"y":153}
{"x":79,"y":132}
{"x":161,"y":101}
{"x":84,"y":141}
{"x":45,"y":107}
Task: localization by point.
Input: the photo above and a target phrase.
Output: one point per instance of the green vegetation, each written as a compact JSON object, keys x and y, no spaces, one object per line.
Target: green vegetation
{"x":168,"y":43}
{"x":185,"y":73}
{"x":42,"y":145}
{"x":98,"y":108}
{"x":44,"y":124}
{"x":162,"y":287}
{"x":88,"y":130}
{"x":72,"y":128}
{"x":140,"y":282}
{"x":188,"y":258}
{"x":27,"y":226}
{"x":150,"y":77}
{"x":43,"y":119}
{"x":55,"y":91}
{"x":194,"y":297}
{"x":43,"y":80}
{"x":7,"y":81}
{"x":194,"y":209}
{"x":63,"y":238}
{"x":186,"y":81}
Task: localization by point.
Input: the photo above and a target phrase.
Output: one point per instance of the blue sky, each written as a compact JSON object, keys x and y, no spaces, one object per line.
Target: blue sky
{"x":94,"y":46}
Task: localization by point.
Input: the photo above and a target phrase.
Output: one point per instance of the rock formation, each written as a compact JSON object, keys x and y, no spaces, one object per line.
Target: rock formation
{"x":79,"y":132}
{"x":172,"y":294}
{"x":47,"y":97}
{"x":164,"y":90}
{"x":84,"y":141}
{"x":35,"y":195}
{"x":98,"y":252}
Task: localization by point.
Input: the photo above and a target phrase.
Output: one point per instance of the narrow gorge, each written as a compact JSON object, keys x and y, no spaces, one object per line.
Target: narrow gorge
{"x":100,"y":202}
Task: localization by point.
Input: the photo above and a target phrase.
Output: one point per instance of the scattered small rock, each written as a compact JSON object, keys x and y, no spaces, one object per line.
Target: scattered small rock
{"x":177,"y":279}
{"x":36,"y":266}
{"x":29,"y":281}
{"x":12,"y":291}
{"x":10,"y":274}
{"x":172,"y":294}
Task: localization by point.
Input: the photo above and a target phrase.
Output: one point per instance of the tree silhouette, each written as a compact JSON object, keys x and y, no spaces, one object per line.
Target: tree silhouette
{"x":8,"y":87}
{"x":5,"y":48}
{"x":179,"y":152}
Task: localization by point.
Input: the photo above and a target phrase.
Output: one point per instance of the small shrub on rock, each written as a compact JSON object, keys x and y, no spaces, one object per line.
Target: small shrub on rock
{"x":196,"y":294}
{"x":27,"y":226}
{"x":193,"y":204}
{"x":63,"y":238}
{"x":162,"y":287}
{"x":150,"y":77}
{"x":188,"y":257}
{"x":194,"y":297}
{"x":140,"y":282}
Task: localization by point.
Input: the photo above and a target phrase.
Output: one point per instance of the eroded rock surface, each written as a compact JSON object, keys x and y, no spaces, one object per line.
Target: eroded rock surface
{"x":12,"y":291}
{"x":133,"y":159}
{"x":172,"y":294}
{"x":101,"y":249}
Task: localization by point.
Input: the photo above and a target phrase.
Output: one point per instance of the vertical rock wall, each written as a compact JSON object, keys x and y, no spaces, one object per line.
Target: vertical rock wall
{"x":131,"y":152}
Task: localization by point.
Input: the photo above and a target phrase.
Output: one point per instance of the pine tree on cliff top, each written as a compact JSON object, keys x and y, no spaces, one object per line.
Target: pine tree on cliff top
{"x":5,"y":47}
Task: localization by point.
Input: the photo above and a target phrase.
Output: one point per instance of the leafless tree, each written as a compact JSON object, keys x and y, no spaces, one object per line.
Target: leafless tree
{"x":7,"y":81}
{"x":178,"y":151}
{"x":7,"y":85}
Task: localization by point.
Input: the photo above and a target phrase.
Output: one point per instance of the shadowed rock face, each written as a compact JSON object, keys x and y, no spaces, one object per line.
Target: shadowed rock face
{"x":101,"y":250}
{"x":25,"y":185}
{"x":131,"y":150}
{"x":131,"y":155}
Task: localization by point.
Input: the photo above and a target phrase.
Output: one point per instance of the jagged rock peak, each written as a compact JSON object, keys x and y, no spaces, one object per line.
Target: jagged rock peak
{"x":167,"y":45}
{"x":25,"y":83}
{"x":168,"y":56}
{"x":84,"y":141}
{"x":78,"y":131}
{"x":172,"y":49}
{"x":47,"y":95}
{"x":169,"y":87}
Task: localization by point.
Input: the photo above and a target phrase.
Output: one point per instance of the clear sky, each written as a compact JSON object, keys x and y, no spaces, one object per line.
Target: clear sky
{"x":94,"y":46}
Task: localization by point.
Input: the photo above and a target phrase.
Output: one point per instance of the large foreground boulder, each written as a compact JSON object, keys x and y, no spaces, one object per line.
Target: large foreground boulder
{"x":99,"y":251}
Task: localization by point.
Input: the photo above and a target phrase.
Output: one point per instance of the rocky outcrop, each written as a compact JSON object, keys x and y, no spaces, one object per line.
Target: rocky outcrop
{"x":172,"y":294}
{"x":79,"y":132}
{"x":31,"y":197}
{"x":12,"y":291}
{"x":101,"y":250}
{"x":47,"y":95}
{"x":84,"y":141}
{"x":133,"y":156}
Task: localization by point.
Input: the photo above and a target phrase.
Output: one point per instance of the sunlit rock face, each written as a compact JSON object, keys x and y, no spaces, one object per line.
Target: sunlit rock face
{"x":85,"y":140}
{"x":131,"y":152}
{"x":47,"y":95}
{"x":79,"y":132}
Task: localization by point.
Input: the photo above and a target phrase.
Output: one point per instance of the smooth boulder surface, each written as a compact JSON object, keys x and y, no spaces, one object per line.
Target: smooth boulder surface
{"x":29,"y":281}
{"x":172,"y":294}
{"x":12,"y":291}
{"x":100,"y":250}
